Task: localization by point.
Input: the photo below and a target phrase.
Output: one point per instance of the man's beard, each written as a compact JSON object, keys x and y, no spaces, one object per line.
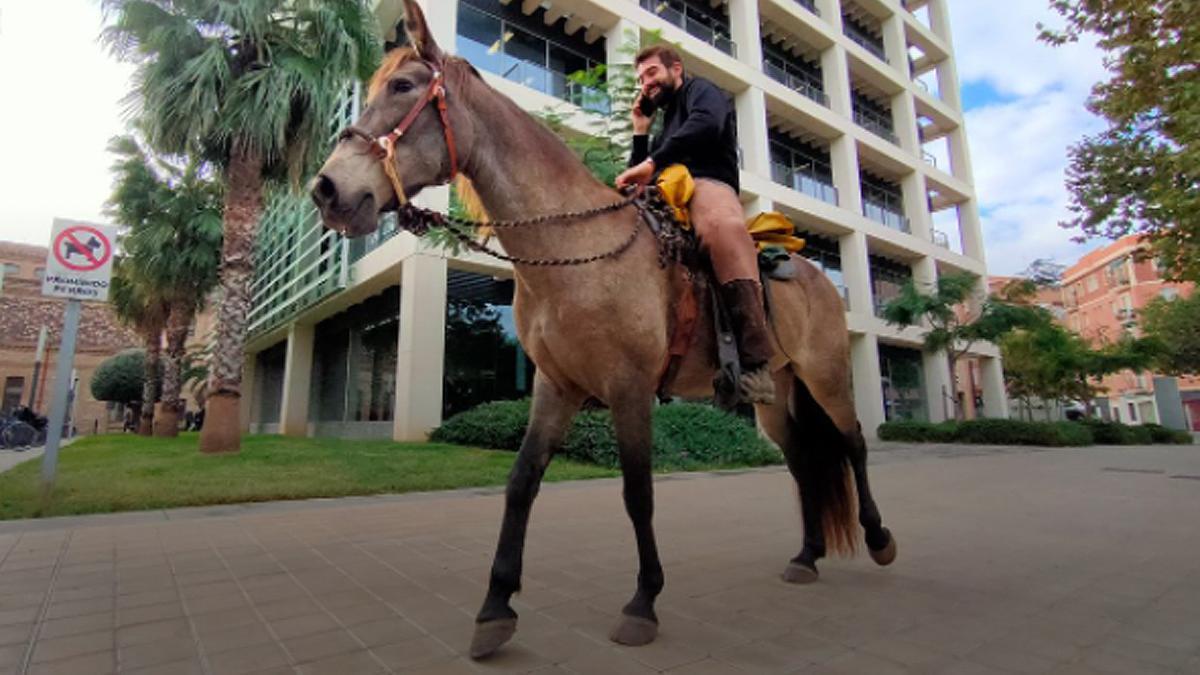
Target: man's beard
{"x":664,"y":95}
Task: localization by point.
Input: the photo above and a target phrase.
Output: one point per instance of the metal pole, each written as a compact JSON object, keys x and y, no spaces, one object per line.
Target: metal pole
{"x":62,"y":389}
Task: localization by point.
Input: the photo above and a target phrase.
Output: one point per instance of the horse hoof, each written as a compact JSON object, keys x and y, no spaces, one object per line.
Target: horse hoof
{"x":886,"y":555}
{"x":634,"y":631}
{"x":490,"y":636}
{"x":797,"y":573}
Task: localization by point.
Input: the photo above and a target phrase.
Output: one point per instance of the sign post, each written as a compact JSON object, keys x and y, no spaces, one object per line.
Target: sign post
{"x":78,"y":268}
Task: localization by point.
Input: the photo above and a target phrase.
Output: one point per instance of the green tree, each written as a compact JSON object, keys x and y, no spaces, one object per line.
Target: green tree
{"x":953,"y":327}
{"x":1142,"y":173}
{"x":1174,"y":328}
{"x":138,"y":304}
{"x":121,"y":378}
{"x":252,"y":87}
{"x":173,"y":216}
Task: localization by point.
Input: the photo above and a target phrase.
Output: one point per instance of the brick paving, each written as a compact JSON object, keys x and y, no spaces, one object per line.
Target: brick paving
{"x":1011,"y":561}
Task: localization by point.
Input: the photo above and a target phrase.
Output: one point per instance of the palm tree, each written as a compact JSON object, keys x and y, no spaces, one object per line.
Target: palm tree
{"x":138,"y":305}
{"x":174,"y":241}
{"x":251,"y":86}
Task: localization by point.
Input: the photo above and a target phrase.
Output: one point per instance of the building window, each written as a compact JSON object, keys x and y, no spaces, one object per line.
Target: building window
{"x":796,"y":73}
{"x":903,"y":386}
{"x":1169,"y":293}
{"x":826,"y":255}
{"x":354,"y":363}
{"x":874,"y":117}
{"x":698,"y":18}
{"x":11,"y":269}
{"x":39,"y":273}
{"x":519,"y":53}
{"x":802,"y":167}
{"x":887,"y":278}
{"x":484,"y":361}
{"x":883,"y":202}
{"x":1093,"y":283}
{"x":14,"y":388}
{"x":1132,"y":412}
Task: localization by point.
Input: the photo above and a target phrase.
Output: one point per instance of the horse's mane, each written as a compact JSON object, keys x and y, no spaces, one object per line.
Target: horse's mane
{"x":457,"y":72}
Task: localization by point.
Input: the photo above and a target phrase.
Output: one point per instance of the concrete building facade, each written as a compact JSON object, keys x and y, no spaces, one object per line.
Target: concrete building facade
{"x":23,"y":313}
{"x":1103,"y":293}
{"x":850,"y":122}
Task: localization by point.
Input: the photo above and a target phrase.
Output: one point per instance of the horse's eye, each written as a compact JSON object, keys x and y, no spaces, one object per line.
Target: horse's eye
{"x":400,"y":86}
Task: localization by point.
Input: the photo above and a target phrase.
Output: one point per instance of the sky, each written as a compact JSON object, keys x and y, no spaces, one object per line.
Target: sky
{"x":1024,"y":107}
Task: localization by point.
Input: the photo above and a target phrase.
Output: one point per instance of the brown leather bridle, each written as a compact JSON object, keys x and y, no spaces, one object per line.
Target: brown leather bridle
{"x":383,"y":147}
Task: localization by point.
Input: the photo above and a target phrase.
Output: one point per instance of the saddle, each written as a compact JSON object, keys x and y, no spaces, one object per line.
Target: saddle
{"x":665,"y":210}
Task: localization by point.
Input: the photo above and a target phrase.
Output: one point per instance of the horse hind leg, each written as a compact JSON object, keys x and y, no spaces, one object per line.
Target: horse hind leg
{"x":831,"y":406}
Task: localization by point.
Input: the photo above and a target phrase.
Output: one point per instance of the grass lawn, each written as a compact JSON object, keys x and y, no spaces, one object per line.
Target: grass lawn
{"x":102,"y":474}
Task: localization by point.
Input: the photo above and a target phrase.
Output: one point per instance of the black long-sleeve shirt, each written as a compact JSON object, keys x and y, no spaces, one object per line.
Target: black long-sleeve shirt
{"x":699,"y":131}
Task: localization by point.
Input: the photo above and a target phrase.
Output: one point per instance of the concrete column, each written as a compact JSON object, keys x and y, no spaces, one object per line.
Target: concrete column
{"x":837,"y":79}
{"x":856,"y":268}
{"x":756,"y":206}
{"x":297,"y":381}
{"x":970,"y":229}
{"x":904,"y":120}
{"x":843,"y":159}
{"x":947,"y":71}
{"x":831,"y":12}
{"x":960,"y":156}
{"x":752,"y":131}
{"x":249,"y":402}
{"x":420,"y":359}
{"x":916,"y":205}
{"x":868,"y":386}
{"x":745,"y":30}
{"x":939,"y":385}
{"x":895,"y":45}
{"x":616,"y":40}
{"x":995,"y":397}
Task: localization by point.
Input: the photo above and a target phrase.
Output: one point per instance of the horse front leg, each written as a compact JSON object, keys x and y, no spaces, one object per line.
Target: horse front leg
{"x":631,"y":418}
{"x":549,"y":420}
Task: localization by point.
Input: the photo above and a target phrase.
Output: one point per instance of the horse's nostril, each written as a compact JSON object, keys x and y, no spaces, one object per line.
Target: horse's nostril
{"x":324,"y":192}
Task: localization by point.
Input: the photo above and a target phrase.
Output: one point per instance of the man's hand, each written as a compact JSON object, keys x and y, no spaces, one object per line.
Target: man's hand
{"x":641,"y":123}
{"x":638,"y":175}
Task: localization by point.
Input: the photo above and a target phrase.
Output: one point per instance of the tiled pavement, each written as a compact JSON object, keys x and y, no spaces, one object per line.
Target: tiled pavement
{"x":1067,"y":561}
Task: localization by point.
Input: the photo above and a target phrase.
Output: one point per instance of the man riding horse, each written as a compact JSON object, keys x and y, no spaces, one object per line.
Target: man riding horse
{"x":700,"y":132}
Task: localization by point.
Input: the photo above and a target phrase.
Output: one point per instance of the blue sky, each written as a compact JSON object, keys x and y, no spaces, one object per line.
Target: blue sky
{"x":1024,"y":107}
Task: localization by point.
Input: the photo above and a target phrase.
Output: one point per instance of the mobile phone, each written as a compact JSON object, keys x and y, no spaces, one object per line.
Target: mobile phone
{"x":646,"y":105}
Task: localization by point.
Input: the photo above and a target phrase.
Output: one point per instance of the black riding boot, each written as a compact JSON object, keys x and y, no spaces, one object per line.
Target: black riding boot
{"x":743,"y":298}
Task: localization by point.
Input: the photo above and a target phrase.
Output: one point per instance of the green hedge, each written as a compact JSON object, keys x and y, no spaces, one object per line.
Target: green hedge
{"x":1018,"y":432}
{"x":686,"y":435}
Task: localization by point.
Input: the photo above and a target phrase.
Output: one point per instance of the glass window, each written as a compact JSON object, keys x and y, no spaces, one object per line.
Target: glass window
{"x":484,"y":361}
{"x":14,"y":387}
{"x":11,"y":269}
{"x":480,"y":40}
{"x":529,"y":68}
{"x":354,"y":362}
{"x":271,"y":363}
{"x":903,"y":387}
{"x":39,"y":273}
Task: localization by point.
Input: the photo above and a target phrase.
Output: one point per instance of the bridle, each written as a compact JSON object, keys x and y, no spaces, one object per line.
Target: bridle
{"x":383,"y":147}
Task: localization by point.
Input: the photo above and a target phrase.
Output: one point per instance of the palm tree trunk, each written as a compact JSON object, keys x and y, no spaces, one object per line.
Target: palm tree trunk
{"x":180,"y":321}
{"x":153,"y":345}
{"x":222,"y":430}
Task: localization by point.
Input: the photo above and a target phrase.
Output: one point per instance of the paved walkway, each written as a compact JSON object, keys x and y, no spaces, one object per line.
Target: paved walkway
{"x":11,"y":458}
{"x":1065,"y":561}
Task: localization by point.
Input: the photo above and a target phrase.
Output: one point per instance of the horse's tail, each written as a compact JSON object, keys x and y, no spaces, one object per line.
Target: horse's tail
{"x":827,"y":474}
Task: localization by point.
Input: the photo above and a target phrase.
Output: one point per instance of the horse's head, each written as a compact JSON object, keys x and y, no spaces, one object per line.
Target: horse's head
{"x":401,"y":128}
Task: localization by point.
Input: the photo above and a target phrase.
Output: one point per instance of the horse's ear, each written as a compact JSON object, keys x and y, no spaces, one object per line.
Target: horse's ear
{"x":419,"y":35}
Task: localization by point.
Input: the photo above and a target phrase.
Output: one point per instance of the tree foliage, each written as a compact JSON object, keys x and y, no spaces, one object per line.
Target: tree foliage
{"x":1174,"y":328}
{"x":1142,"y":173}
{"x":120,"y":378}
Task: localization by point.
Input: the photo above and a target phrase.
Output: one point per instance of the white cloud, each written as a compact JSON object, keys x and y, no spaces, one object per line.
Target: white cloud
{"x":61,"y":92}
{"x":1019,"y":142}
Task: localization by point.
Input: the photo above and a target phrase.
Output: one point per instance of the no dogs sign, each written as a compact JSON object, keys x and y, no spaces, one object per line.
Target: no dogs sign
{"x":79,"y":265}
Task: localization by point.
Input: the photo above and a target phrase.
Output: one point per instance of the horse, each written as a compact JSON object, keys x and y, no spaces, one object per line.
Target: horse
{"x":599,"y":329}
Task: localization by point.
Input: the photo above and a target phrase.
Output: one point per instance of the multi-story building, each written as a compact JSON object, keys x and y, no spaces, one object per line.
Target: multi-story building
{"x":1102,"y":294}
{"x":850,"y":122}
{"x":24,"y":311}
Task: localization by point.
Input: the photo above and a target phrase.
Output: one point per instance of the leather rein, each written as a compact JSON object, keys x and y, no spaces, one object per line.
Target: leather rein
{"x":383,"y":147}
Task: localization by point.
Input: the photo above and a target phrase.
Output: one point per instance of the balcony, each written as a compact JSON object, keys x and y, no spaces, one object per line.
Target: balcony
{"x":810,"y":5}
{"x":696,"y":25}
{"x":940,"y":238}
{"x":559,"y":85}
{"x":886,"y":214}
{"x":876,"y":123}
{"x":798,"y":83}
{"x":867,"y":41}
{"x":805,"y":183}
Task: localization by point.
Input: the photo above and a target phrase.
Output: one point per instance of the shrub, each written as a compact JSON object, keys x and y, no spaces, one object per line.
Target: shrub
{"x":686,"y":435}
{"x":917,"y":432}
{"x":119,"y":378}
{"x":1163,"y":435}
{"x":1018,"y":432}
